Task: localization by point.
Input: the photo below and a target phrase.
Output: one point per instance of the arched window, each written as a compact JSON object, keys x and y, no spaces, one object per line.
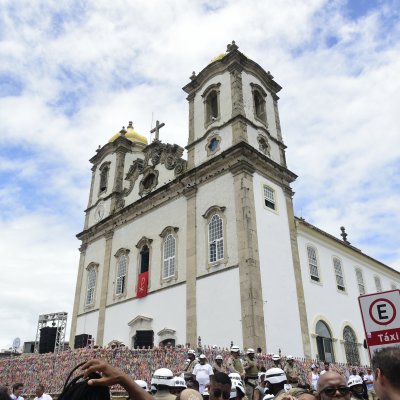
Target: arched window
{"x":339,"y":274}
{"x":91,"y":285}
{"x":324,"y":342}
{"x":351,"y":346}
{"x":313,"y":263}
{"x":378,"y":283}
{"x":215,"y":239}
{"x":104,"y":171}
{"x":259,"y":103}
{"x":169,"y":257}
{"x":122,"y":267}
{"x":211,"y":104}
{"x":360,"y":281}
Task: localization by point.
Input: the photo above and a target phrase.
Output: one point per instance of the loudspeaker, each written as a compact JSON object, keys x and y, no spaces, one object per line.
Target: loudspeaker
{"x":81,"y":340}
{"x":144,"y":339}
{"x":47,"y":339}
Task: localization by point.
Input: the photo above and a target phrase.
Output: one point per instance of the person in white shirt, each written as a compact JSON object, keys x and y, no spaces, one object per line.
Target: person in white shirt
{"x":17,"y":389}
{"x":202,"y":373}
{"x":353,"y":374}
{"x":369,"y":381}
{"x":40,"y":394}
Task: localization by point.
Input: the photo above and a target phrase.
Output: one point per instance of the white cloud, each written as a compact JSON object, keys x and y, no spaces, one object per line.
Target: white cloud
{"x":86,"y":69}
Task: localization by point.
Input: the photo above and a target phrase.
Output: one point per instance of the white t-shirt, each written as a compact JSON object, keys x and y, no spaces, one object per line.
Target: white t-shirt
{"x":14,"y":397}
{"x":44,"y":396}
{"x":370,"y":386}
{"x":203,"y":373}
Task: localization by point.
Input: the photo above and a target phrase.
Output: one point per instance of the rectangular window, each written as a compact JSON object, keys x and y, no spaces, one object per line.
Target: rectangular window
{"x":378,"y":284}
{"x":269,"y":197}
{"x":339,"y":274}
{"x":360,"y":281}
{"x":313,"y":263}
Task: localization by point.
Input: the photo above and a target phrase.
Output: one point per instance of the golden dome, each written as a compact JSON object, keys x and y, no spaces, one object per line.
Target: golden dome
{"x":130,"y":134}
{"x":219,"y":57}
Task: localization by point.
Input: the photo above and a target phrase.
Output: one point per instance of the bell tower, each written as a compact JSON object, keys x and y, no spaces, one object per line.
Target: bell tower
{"x":232,"y":100}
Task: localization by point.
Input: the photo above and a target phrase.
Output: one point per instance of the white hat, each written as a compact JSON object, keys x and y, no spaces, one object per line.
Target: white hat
{"x":177,"y":381}
{"x":268,"y":397}
{"x":236,"y":385}
{"x":355,"y":381}
{"x":276,"y":357}
{"x":289,"y":358}
{"x":313,"y":366}
{"x":190,"y":351}
{"x":219,"y":357}
{"x":250,"y":351}
{"x":142,"y":384}
{"x":235,"y":349}
{"x":275,"y":375}
{"x":202,"y":356}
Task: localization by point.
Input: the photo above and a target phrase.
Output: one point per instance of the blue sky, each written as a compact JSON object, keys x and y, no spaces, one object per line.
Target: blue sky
{"x":73,"y":73}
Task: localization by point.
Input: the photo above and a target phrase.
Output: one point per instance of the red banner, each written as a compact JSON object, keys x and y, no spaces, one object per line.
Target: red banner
{"x":142,"y":284}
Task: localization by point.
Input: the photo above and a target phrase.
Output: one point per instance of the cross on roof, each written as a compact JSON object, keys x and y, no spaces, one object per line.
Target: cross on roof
{"x":157,"y":129}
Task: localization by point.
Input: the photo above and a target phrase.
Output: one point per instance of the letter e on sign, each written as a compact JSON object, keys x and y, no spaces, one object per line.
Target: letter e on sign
{"x":382,"y":311}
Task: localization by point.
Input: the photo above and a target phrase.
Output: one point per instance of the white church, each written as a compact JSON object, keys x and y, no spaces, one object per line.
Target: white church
{"x":175,"y":248}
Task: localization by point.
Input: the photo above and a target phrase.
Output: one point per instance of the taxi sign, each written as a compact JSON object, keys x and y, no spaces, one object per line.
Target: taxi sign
{"x":381,"y":318}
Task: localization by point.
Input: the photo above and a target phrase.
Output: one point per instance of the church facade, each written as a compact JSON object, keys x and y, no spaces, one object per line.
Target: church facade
{"x":175,"y":248}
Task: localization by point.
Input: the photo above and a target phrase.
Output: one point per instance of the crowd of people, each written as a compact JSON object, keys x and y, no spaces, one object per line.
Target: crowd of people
{"x":253,"y":375}
{"x":52,"y":369}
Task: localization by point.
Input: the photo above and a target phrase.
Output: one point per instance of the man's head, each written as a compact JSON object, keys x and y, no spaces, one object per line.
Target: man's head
{"x":276,"y":379}
{"x":289,"y":359}
{"x":202,"y":359}
{"x":369,"y":371}
{"x":220,"y":386}
{"x":326,"y":366}
{"x":250,"y":353}
{"x":235,"y":351}
{"x":190,"y":394}
{"x":193,"y":384}
{"x":219,"y":359}
{"x":332,"y":385}
{"x":162,"y":378}
{"x":39,"y":390}
{"x":356,"y":386}
{"x":354,"y":371}
{"x":17,"y":389}
{"x":276,"y":358}
{"x":191,"y":355}
{"x":386,"y":364}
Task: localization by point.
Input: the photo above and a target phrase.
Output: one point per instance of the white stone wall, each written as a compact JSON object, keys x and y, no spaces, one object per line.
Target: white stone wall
{"x":218,"y":192}
{"x":96,"y":196}
{"x":167,"y":308}
{"x":150,"y":226}
{"x":87,"y":323}
{"x":219,"y":310}
{"x":249,"y":107}
{"x":95,"y":254}
{"x":252,"y":135}
{"x":277,"y":276}
{"x":200,"y":151}
{"x":225,"y":104}
{"x":324,"y":301}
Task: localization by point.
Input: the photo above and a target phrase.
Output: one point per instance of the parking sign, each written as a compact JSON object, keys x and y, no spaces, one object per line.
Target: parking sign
{"x":381,"y":317}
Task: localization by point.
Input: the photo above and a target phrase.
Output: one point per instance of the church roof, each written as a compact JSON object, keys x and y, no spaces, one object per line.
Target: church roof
{"x":130,"y":134}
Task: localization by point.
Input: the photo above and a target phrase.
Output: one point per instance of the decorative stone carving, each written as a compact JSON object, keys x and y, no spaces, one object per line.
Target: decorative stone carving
{"x":134,"y":171}
{"x":237,"y":92}
{"x":263,"y":145}
{"x":149,"y":181}
{"x":213,"y":144}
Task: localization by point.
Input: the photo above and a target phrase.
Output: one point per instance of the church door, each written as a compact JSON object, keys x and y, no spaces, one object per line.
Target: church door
{"x":143,"y":339}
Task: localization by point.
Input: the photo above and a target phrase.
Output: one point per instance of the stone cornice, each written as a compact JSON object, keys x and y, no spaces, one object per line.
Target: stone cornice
{"x":121,"y":144}
{"x":186,"y":184}
{"x":233,"y":60}
{"x":230,"y":122}
{"x":301,"y":223}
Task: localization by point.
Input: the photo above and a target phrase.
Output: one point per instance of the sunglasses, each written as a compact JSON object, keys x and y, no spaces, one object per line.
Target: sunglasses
{"x":218,"y":393}
{"x":331,"y":391}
